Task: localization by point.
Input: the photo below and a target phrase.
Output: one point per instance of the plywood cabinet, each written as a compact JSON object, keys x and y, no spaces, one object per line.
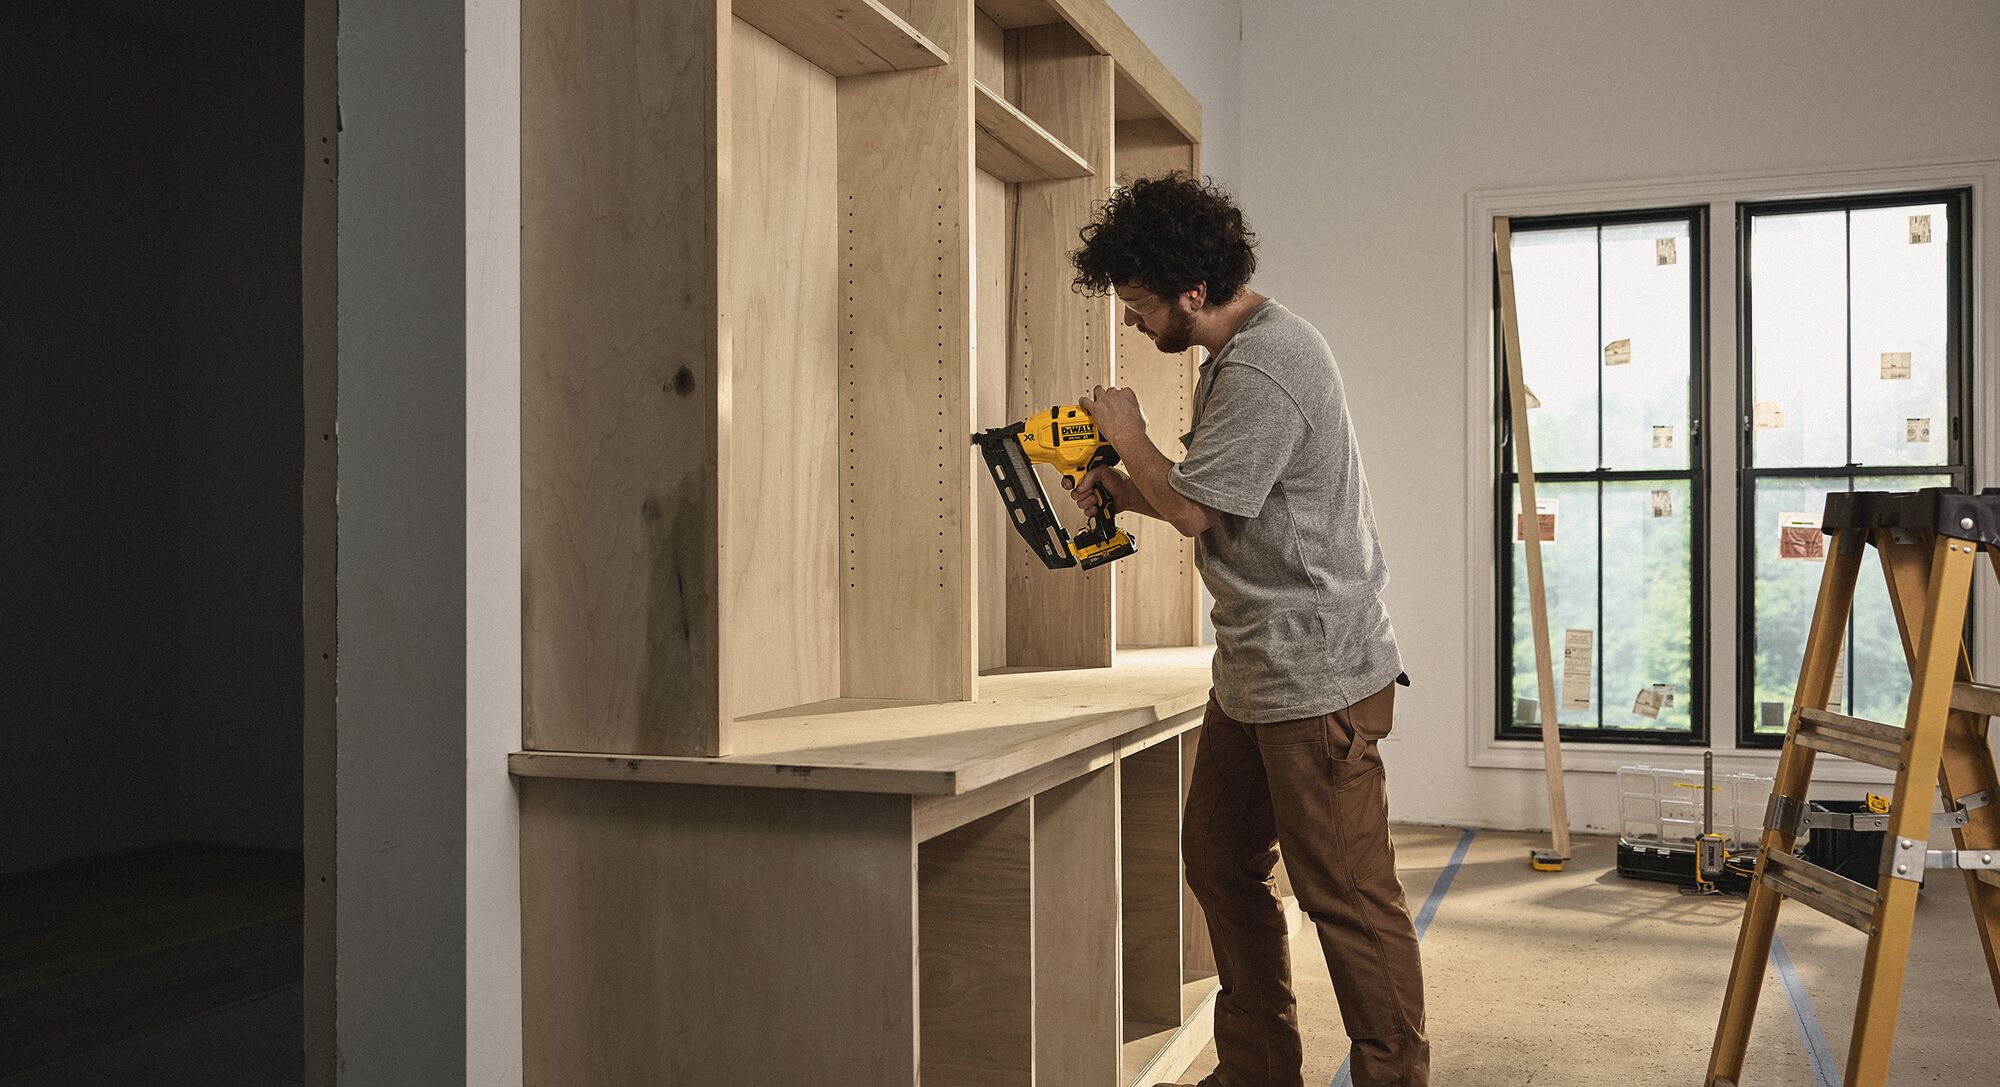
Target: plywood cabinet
{"x":973,"y":892}
{"x":777,"y":262}
{"x":779,"y":259}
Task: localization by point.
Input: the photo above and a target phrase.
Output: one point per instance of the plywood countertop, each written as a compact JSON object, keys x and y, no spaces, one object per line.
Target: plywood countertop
{"x":1021,"y":720}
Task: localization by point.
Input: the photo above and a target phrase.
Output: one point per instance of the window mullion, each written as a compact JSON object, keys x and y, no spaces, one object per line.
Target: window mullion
{"x":1603,"y":643}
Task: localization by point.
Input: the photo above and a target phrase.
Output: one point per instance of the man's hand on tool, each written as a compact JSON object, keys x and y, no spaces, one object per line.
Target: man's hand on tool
{"x":1125,"y":494}
{"x":1117,"y":415}
{"x":1140,"y":483}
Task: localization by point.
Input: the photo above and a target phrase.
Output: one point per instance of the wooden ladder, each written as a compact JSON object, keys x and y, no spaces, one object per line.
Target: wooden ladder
{"x":1928,"y":542}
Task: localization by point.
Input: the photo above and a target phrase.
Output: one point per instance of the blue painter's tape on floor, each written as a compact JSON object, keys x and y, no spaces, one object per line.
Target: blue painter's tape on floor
{"x":1429,"y":910}
{"x":1824,"y":1072}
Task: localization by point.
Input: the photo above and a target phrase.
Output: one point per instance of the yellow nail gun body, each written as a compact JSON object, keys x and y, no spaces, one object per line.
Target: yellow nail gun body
{"x":1065,"y":438}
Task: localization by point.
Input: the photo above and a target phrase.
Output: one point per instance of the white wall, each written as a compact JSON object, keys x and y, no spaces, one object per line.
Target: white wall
{"x":493,"y":541}
{"x":1199,"y":42}
{"x":1365,"y":126}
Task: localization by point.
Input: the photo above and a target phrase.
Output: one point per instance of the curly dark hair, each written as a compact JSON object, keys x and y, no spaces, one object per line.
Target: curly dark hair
{"x":1168,"y":234}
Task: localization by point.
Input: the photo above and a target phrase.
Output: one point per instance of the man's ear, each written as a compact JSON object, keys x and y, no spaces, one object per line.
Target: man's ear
{"x":1197,"y":296}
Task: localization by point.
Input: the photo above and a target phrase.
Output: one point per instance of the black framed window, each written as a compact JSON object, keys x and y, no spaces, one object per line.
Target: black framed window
{"x":1854,"y":368}
{"x":1612,"y":313}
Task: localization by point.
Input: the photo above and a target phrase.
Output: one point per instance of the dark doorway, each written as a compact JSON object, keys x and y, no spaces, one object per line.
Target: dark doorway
{"x":151,"y":801}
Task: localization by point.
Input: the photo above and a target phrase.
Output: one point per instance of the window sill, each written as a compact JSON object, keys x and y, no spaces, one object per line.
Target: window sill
{"x":1595,"y":758}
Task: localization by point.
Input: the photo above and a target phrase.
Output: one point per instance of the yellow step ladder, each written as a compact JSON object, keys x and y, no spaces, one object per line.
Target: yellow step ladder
{"x":1928,"y":542}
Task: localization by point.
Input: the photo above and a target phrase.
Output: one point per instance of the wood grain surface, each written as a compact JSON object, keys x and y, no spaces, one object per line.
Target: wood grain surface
{"x":624,"y":374}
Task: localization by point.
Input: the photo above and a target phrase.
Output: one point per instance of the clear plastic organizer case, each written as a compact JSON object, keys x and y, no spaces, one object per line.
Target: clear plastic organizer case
{"x":1662,"y":807}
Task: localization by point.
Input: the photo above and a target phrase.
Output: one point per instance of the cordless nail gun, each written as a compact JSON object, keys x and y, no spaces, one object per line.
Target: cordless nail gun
{"x":1065,"y":438}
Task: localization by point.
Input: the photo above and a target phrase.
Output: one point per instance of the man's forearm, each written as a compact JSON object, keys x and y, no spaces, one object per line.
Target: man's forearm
{"x":1148,"y":466}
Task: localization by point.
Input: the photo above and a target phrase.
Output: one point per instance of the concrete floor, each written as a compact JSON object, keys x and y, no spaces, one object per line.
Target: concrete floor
{"x":1581,"y":978}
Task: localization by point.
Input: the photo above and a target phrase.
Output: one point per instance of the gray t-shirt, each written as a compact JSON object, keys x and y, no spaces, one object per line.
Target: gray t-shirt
{"x":1294,"y":563}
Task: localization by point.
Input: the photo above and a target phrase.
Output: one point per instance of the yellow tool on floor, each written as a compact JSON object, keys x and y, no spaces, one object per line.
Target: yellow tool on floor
{"x":1064,"y":438}
{"x":1929,"y":542}
{"x":1710,"y":853}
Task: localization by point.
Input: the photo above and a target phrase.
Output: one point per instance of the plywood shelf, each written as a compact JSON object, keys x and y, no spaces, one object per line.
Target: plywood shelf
{"x":1020,"y":721}
{"x":1012,"y":147}
{"x":845,"y":37}
{"x":1150,"y":1058}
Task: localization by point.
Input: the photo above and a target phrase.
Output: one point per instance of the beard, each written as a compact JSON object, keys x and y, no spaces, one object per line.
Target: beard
{"x":1177,"y":334}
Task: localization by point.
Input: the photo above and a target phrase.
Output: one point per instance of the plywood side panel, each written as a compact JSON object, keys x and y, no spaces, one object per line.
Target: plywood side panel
{"x":784,"y":560}
{"x":1062,"y":340}
{"x":709,"y":936}
{"x":624,"y":375}
{"x":1078,"y":1028}
{"x":994,"y":205}
{"x":1150,"y":821}
{"x":976,"y":953}
{"x":1158,"y":591}
{"x":906,"y":398}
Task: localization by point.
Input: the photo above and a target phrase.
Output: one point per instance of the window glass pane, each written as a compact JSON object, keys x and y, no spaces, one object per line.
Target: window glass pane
{"x":1877,"y":673}
{"x":1875,"y":681}
{"x":1555,"y":296}
{"x":1648,"y":558}
{"x":1646,"y":273}
{"x":1798,"y":339}
{"x":1569,"y":568}
{"x":1900,"y":294}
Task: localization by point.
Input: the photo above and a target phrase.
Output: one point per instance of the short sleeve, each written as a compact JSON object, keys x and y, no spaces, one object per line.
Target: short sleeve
{"x":1250,"y":428}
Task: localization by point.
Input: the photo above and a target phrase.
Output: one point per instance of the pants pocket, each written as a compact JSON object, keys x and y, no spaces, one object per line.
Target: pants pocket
{"x":1353,"y":732}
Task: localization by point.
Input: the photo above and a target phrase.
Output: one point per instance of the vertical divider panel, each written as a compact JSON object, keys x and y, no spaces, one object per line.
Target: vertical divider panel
{"x":625,"y":346}
{"x":993,"y":211}
{"x":1197,"y":953}
{"x":905,"y":405}
{"x":1062,"y":342}
{"x":993,"y":201}
{"x":1078,"y":1022}
{"x":1150,"y":788}
{"x":975,"y":933}
{"x":1158,"y":593}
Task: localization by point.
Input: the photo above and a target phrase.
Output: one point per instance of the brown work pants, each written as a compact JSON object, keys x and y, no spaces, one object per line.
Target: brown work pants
{"x":1314,"y":787}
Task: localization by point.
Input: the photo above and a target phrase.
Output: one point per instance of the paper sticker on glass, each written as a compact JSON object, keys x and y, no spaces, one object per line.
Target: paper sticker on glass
{"x":1799,"y":537}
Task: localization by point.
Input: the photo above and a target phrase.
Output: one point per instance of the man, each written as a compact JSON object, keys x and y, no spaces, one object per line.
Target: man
{"x":1306,"y":664}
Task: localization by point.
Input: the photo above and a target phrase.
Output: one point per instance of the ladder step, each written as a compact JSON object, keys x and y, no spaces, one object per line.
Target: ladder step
{"x":1976,"y":698}
{"x":1828,"y":892}
{"x":1852,"y":738}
